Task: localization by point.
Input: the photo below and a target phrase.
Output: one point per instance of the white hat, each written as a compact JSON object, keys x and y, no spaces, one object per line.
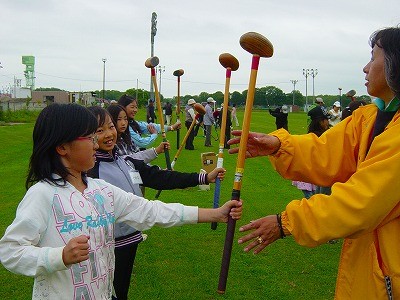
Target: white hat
{"x":285,"y":109}
{"x":210,"y":100}
{"x":319,"y":100}
{"x":337,"y":104}
{"x":191,"y":101}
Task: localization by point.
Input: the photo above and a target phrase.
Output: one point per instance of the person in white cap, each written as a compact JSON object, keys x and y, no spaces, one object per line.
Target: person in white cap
{"x":208,"y":121}
{"x":189,"y":117}
{"x":335,"y":114}
{"x":281,"y":117}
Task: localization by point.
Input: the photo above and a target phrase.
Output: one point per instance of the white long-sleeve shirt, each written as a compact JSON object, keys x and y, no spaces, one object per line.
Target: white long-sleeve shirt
{"x":49,"y":216}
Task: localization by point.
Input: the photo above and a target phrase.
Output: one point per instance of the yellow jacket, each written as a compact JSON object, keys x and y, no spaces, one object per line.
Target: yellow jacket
{"x":364,"y":205}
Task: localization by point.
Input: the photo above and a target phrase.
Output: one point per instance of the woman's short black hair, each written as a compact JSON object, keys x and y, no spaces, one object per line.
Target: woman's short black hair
{"x":389,"y":40}
{"x":55,"y":125}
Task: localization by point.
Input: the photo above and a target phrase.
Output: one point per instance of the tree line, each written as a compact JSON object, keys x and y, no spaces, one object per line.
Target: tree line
{"x":268,"y":96}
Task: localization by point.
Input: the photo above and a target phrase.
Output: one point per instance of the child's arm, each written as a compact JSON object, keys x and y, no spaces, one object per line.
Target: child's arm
{"x":143,"y":214}
{"x":140,"y":141}
{"x":158,"y":179}
{"x":231,"y":208}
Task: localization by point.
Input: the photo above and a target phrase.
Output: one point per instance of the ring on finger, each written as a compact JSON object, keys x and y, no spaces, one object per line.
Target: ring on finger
{"x":260,"y":240}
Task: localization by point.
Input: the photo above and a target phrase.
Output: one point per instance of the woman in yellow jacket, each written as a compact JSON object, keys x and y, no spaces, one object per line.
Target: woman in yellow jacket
{"x":360,"y":157}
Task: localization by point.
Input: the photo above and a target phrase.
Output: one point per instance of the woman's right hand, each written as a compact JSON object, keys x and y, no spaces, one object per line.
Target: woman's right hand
{"x":151,"y":128}
{"x":258,"y":144}
{"x":76,"y":250}
{"x":176,"y":126}
{"x":161,"y":148}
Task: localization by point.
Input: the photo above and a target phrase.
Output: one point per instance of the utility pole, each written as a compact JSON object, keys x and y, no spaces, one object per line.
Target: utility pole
{"x":306,"y":73}
{"x":314,"y":72}
{"x":160,"y":69}
{"x":104,"y":77}
{"x":137,"y":92}
{"x":153,"y":34}
{"x":293,"y":81}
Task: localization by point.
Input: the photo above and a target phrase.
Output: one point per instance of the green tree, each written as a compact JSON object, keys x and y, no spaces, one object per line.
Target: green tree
{"x":275,"y":96}
{"x":219,"y":97}
{"x":141,"y":95}
{"x":203,"y":97}
{"x":298,"y":98}
{"x":48,"y":89}
{"x":237,"y":98}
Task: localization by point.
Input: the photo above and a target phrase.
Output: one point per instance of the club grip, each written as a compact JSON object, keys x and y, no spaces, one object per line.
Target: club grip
{"x":226,"y":255}
{"x":168,"y":162}
{"x":217,"y":192}
{"x":167,"y":159}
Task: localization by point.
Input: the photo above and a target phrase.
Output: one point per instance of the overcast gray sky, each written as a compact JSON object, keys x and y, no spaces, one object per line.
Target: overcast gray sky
{"x":70,"y":38}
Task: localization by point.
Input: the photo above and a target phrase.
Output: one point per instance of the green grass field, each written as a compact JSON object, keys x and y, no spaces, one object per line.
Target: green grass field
{"x":184,"y":262}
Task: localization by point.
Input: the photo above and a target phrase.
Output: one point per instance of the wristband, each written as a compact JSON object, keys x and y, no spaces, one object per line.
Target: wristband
{"x":279,"y":220}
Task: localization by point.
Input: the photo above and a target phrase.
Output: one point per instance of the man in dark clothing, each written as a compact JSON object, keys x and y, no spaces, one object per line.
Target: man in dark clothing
{"x":281,"y":116}
{"x":151,"y":116}
{"x":168,"y":112}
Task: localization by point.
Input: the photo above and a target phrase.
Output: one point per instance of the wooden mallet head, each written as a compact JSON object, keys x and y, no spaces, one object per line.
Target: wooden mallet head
{"x":228,"y":61}
{"x":200,"y":109}
{"x":256,"y":44}
{"x":178,"y":73}
{"x":152,"y":62}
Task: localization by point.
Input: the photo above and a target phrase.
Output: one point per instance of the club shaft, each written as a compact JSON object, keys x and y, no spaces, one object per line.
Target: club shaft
{"x":178,"y":111}
{"x":217,"y":190}
{"x":161,"y":120}
{"x":184,"y":141}
{"x":237,"y":184}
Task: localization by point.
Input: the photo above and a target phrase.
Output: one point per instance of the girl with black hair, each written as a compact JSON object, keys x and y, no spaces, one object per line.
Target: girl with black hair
{"x":143,"y":134}
{"x":125,"y":145}
{"x":63,"y":232}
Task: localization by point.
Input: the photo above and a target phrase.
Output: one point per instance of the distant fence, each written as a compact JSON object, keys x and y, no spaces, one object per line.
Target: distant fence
{"x":19,"y":104}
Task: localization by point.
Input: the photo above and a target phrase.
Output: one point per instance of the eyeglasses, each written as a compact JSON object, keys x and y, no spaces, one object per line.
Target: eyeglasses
{"x":94,"y":138}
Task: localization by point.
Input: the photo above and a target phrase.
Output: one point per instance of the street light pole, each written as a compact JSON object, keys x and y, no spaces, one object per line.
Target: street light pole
{"x":294,"y":87}
{"x":314,"y":72}
{"x":104,"y":76}
{"x":306,"y":73}
{"x":340,"y":96}
{"x":153,"y":34}
{"x":160,"y":69}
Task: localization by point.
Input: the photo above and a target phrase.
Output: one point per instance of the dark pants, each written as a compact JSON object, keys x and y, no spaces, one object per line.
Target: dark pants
{"x":323,"y":190}
{"x":208,"y":135}
{"x":227,"y":138}
{"x":189,"y":141}
{"x":196,"y":129}
{"x":124,"y":259}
